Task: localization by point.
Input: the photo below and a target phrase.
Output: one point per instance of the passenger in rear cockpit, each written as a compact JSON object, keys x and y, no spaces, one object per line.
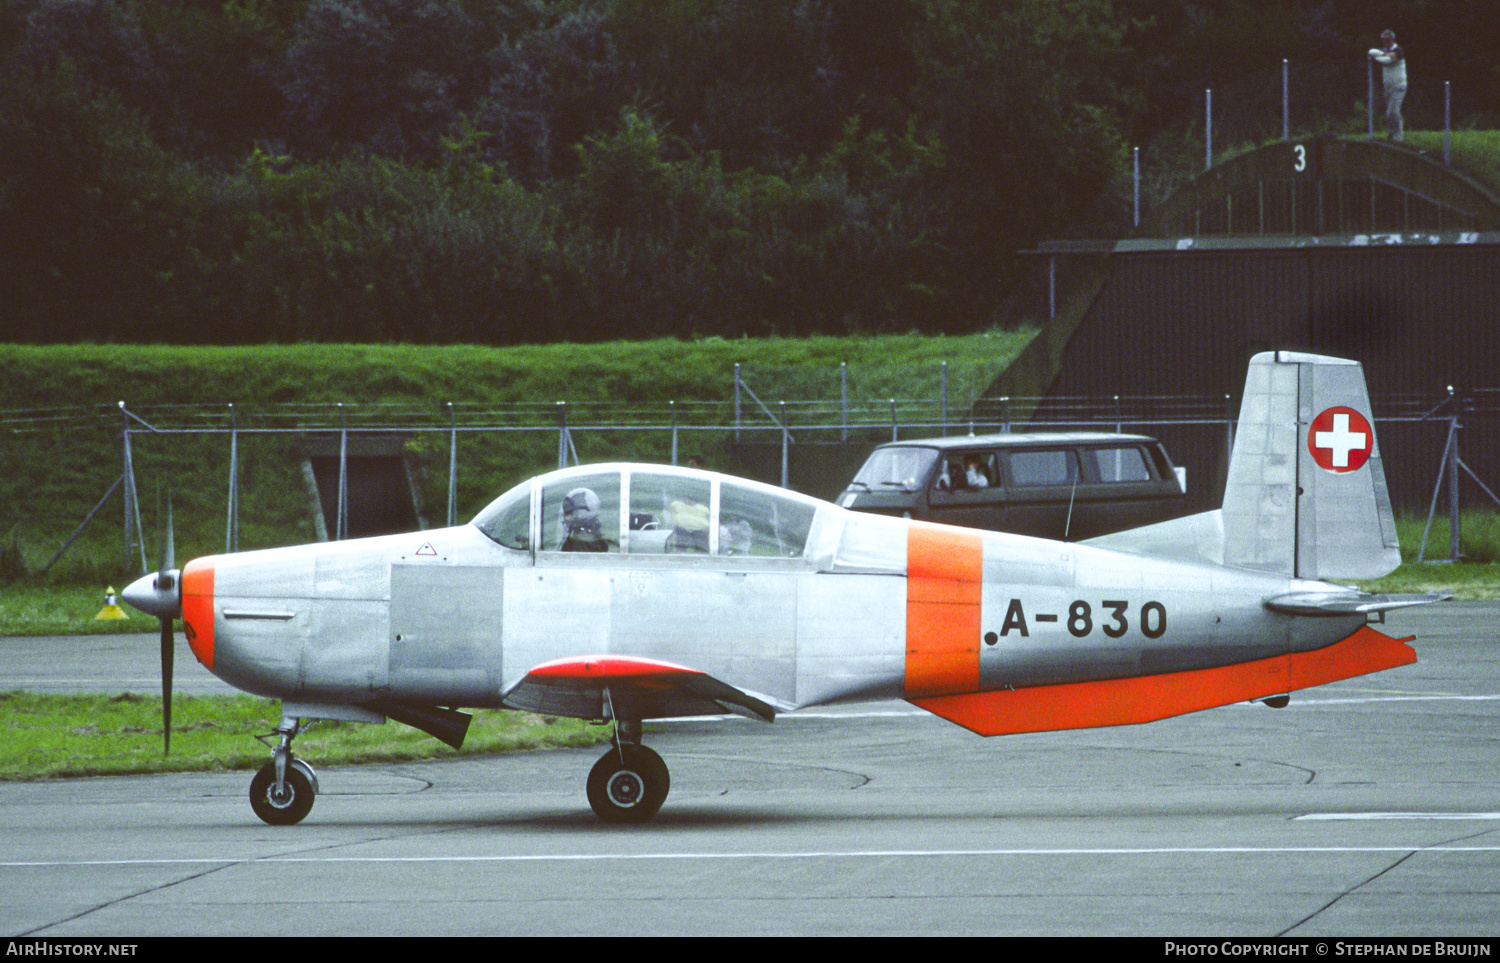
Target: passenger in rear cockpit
{"x":689,"y":525}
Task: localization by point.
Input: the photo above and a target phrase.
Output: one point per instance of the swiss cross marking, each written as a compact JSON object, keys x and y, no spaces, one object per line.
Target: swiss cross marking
{"x":1340,"y":440}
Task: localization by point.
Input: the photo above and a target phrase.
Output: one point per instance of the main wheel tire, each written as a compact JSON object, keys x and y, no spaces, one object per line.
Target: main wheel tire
{"x":628,"y":791}
{"x":288,"y":808}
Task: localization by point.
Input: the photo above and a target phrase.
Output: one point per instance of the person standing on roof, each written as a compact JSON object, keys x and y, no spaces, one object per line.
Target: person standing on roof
{"x":1392,"y":60}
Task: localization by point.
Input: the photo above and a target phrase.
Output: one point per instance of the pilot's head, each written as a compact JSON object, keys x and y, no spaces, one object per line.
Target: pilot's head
{"x":580,"y":511}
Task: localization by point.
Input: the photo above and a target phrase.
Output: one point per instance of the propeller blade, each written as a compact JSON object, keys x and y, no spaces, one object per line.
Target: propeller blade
{"x":167,"y":651}
{"x":160,"y":594}
{"x":166,"y":580}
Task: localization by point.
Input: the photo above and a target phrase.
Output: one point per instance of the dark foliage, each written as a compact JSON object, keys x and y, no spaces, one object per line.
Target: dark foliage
{"x":521,"y":170}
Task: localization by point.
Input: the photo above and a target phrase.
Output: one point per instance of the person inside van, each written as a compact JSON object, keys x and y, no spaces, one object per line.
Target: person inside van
{"x":975,"y":473}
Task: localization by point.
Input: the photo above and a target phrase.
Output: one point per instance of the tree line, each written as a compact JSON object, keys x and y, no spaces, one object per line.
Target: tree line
{"x":508,"y":171}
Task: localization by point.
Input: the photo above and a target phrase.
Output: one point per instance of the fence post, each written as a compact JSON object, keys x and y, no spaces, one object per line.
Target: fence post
{"x":843,"y":401}
{"x":232,"y":511}
{"x":1370,"y":94}
{"x":1447,"y":123}
{"x":945,"y":399}
{"x":1208,"y":129}
{"x":132,"y":510}
{"x":1454,"y":533}
{"x":562,"y":434}
{"x":452,"y":467}
{"x":673,"y":406}
{"x":786,"y":437}
{"x":1135,"y":163}
{"x":1286,"y":116}
{"x":893,"y":419}
{"x":736,"y":401}
{"x":341,"y":524}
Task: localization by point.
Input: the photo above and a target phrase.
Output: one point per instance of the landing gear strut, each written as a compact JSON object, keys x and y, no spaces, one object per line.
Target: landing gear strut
{"x":629,"y":784}
{"x":282,"y":792}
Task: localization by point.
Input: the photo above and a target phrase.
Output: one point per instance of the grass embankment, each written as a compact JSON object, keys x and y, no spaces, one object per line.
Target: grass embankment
{"x":1474,"y":151}
{"x":62,"y":736}
{"x":60,"y":423}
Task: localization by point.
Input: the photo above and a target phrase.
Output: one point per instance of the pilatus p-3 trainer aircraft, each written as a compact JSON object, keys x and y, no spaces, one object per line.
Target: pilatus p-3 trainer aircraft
{"x":626,"y":593}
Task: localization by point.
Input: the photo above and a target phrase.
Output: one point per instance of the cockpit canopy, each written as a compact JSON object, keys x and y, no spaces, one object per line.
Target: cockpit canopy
{"x":650,"y":510}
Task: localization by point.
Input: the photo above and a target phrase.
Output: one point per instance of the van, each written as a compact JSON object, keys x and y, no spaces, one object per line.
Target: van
{"x":1062,"y":485}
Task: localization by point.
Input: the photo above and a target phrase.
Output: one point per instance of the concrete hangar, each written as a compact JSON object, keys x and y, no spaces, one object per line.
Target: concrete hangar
{"x":1347,"y":247}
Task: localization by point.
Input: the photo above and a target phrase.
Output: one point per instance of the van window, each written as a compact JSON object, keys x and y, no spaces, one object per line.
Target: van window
{"x":1048,"y":467}
{"x":1119,"y":464}
{"x":903,"y":468}
{"x":968,"y":471}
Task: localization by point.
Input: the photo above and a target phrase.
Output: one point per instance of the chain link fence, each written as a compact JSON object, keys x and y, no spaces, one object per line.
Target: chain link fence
{"x":308,"y":466}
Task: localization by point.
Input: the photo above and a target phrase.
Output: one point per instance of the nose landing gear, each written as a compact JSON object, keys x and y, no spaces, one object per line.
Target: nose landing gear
{"x":282,"y":793}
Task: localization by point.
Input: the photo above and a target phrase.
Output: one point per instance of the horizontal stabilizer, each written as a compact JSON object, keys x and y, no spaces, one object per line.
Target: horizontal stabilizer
{"x":629,"y":687}
{"x":1347,"y":602}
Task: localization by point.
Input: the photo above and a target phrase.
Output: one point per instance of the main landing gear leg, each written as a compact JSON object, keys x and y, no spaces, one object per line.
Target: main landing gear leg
{"x":630,"y":783}
{"x":282,"y":792}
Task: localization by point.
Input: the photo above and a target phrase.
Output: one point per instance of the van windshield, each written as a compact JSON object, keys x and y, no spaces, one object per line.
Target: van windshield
{"x":901,"y":468}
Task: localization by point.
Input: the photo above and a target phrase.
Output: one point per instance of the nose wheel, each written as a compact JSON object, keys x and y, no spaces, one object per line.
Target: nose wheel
{"x":283,"y":805}
{"x":282,"y":793}
{"x":628,"y":785}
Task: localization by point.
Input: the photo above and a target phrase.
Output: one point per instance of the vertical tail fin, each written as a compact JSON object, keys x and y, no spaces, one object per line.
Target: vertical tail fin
{"x":1306,"y":494}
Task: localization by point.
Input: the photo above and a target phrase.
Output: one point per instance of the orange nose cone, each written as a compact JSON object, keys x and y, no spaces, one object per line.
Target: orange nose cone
{"x":198,"y":609}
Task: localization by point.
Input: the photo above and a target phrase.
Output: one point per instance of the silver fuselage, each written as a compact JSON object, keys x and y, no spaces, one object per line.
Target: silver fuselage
{"x":450,"y":617}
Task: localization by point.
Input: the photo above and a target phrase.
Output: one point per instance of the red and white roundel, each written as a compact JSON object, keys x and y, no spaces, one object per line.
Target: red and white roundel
{"x":1340,"y":440}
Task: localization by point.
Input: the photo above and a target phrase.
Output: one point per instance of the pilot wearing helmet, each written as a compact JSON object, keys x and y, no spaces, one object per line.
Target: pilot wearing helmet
{"x":581,"y":530}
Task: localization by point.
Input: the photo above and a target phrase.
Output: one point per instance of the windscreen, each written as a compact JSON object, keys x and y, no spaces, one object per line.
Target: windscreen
{"x":902,"y":469}
{"x":507,"y":519}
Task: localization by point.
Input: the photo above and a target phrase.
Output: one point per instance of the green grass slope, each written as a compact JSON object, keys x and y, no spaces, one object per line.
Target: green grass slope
{"x":1475,"y":152}
{"x":60,"y":423}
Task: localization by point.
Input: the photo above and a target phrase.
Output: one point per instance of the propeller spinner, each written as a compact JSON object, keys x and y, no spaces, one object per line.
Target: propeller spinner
{"x":159,"y":593}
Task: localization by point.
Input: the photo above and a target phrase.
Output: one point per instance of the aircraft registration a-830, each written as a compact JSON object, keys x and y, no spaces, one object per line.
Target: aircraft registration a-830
{"x":625,"y":593}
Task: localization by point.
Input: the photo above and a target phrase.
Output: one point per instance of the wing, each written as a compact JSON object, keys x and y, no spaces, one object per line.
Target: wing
{"x":584,"y":687}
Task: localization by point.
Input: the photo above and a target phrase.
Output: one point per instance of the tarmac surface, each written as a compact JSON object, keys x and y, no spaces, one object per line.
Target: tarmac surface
{"x":1367,"y":808}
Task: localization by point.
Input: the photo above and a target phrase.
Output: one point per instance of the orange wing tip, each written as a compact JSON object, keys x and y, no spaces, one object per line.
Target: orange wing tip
{"x":198,"y":609}
{"x":643,"y":688}
{"x":1120,"y":702}
{"x":607,"y":667}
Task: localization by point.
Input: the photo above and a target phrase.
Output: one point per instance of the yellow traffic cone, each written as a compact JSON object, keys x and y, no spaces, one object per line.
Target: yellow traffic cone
{"x":111,"y":608}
